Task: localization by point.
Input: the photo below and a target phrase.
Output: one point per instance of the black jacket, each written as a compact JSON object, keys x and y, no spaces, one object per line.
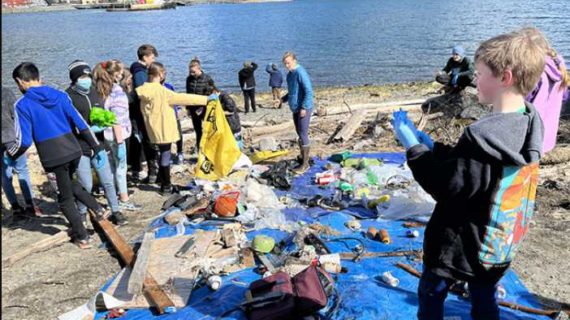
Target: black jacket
{"x":463,"y":67}
{"x":83,"y":104}
{"x":229,"y":105}
{"x":8,"y":118}
{"x":140,"y":76}
{"x":199,"y":85}
{"x":246,"y":77}
{"x":485,"y":188}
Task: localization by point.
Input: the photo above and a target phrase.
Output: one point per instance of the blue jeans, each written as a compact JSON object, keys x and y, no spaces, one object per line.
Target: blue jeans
{"x":20,"y":167}
{"x":119,"y":168}
{"x":302,"y":127}
{"x":105,"y":176}
{"x":433,"y":290}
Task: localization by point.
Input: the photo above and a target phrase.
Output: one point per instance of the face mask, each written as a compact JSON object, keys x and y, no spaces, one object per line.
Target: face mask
{"x":84,"y":84}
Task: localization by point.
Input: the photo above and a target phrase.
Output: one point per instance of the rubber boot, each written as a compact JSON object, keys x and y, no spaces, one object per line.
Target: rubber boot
{"x":165,"y":184}
{"x":305,"y":164}
{"x":300,"y":157}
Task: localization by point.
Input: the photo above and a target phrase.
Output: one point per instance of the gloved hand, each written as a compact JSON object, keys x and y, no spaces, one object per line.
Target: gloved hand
{"x":212,"y":97}
{"x":404,"y":130}
{"x":122,"y":151}
{"x":100,"y":159}
{"x":7,"y":161}
{"x":424,"y":138}
{"x":96,"y":129}
{"x":454,"y":80}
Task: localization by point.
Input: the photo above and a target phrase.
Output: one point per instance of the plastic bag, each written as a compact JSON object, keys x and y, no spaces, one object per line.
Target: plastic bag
{"x":412,"y":202}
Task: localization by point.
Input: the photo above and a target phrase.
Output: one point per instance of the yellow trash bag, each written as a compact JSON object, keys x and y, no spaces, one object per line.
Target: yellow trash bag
{"x":264,"y":155}
{"x":218,"y":147}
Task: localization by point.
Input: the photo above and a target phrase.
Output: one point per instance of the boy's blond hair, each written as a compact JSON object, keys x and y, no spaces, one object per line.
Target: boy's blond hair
{"x":289,"y":54}
{"x":515,"y":51}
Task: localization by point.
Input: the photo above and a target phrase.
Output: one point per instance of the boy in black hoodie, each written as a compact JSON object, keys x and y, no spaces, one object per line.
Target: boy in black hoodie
{"x":47,"y":118}
{"x":485,"y":185}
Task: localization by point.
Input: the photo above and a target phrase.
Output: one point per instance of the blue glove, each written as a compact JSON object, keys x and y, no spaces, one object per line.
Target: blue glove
{"x":454,"y":80}
{"x":212,"y":97}
{"x":7,"y":161}
{"x":424,"y":138}
{"x":100,"y":159}
{"x":404,"y":130}
{"x":122,"y":152}
{"x":96,"y":129}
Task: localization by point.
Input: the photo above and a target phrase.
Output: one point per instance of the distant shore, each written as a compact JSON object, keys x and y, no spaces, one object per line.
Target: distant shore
{"x":71,"y":7}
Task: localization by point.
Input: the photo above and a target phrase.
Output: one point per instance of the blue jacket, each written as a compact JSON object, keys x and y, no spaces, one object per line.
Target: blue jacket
{"x":300,"y":95}
{"x":275,"y":77}
{"x":47,"y":117}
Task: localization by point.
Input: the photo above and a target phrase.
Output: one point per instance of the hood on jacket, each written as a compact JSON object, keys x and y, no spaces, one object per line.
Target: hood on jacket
{"x":46,"y":96}
{"x":551,"y":68}
{"x":512,"y":138}
{"x":137,"y":67}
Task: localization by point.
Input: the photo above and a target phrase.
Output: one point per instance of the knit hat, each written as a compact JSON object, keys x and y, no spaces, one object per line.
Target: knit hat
{"x":458,"y":50}
{"x":247,"y":64}
{"x":77,"y":69}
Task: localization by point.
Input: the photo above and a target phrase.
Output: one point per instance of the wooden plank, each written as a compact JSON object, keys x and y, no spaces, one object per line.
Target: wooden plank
{"x":151,"y":290}
{"x":175,"y":275}
{"x":405,"y":104}
{"x":42,"y":245}
{"x":139,"y":269}
{"x":350,"y":127}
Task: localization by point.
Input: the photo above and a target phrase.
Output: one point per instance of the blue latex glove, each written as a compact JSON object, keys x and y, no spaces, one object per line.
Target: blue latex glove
{"x":7,"y":161}
{"x":122,"y":152}
{"x":100,"y":159}
{"x":96,"y":129}
{"x":404,"y":130}
{"x":212,"y":97}
{"x":424,"y":138}
{"x":454,"y":80}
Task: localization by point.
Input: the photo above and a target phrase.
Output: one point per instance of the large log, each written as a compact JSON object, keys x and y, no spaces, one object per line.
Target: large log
{"x":45,"y":244}
{"x":394,"y":105}
{"x":350,"y":127}
{"x":138,"y":273}
{"x":151,"y":289}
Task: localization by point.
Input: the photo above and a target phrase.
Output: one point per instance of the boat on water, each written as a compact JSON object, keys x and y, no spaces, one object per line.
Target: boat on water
{"x":141,"y":6}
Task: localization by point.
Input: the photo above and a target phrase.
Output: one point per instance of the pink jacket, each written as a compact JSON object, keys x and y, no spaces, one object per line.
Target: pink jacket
{"x":118,"y":103}
{"x":547,"y":98}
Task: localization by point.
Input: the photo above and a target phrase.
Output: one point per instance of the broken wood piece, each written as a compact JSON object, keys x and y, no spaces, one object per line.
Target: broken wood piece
{"x":202,"y":242}
{"x":247,"y":258}
{"x":390,"y":106}
{"x":265,"y":261}
{"x":44,"y":244}
{"x":352,"y":255}
{"x":139,"y":269}
{"x":151,"y":289}
{"x":199,"y":206}
{"x":351,"y":126}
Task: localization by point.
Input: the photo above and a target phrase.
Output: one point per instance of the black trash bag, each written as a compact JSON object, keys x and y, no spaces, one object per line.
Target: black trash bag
{"x":279,"y":175}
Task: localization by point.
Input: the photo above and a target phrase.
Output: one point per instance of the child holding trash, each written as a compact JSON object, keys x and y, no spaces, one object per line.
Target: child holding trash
{"x":485,"y":185}
{"x":157,"y":106}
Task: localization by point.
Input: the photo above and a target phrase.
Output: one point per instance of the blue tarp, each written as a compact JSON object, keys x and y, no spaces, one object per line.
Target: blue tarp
{"x":362,"y":295}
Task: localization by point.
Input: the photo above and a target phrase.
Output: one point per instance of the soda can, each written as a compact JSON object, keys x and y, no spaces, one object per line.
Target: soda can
{"x":323,"y":181}
{"x":389,"y":279}
{"x":412,"y":233}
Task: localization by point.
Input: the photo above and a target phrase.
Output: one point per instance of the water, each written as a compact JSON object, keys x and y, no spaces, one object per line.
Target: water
{"x":340,"y":42}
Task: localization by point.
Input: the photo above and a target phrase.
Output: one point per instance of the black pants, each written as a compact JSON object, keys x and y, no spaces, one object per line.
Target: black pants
{"x":138,"y":148}
{"x":249,"y":95}
{"x":69,"y":190}
{"x":197,"y":122}
{"x":179,"y":143}
{"x":462,"y":81}
{"x":164,"y":168}
{"x":134,"y":149}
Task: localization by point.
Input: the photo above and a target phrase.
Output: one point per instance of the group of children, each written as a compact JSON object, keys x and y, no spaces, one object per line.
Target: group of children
{"x":484,"y":186}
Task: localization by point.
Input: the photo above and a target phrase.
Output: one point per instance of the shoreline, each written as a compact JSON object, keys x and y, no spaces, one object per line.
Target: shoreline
{"x":71,"y":7}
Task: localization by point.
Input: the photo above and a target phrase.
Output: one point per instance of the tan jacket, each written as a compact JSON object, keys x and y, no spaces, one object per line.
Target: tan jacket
{"x":158,"y":113}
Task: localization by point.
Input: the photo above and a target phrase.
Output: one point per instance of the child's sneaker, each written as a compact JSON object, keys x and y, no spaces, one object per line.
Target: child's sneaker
{"x":129,"y":206}
{"x":118,"y":219}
